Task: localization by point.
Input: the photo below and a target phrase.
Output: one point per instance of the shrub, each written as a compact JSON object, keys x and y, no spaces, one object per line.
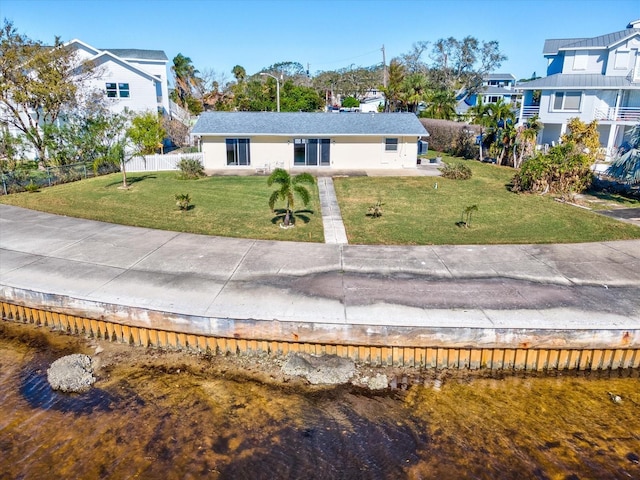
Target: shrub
{"x":455,"y":138}
{"x":191,"y":168}
{"x":375,"y":210}
{"x":561,"y":171}
{"x":350,"y":102}
{"x":456,"y":171}
{"x":183,"y":201}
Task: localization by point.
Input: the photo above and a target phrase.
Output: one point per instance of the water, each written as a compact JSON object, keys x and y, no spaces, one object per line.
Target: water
{"x":164,"y":415}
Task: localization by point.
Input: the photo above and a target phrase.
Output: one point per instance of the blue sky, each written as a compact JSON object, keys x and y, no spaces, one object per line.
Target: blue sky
{"x":327,"y":34}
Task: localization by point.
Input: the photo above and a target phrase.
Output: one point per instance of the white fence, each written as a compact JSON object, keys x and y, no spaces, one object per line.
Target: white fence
{"x":157,"y":163}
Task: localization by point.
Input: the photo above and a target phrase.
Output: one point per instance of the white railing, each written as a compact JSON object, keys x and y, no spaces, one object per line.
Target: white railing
{"x":159,"y":163}
{"x":528,"y":112}
{"x":622,"y":114}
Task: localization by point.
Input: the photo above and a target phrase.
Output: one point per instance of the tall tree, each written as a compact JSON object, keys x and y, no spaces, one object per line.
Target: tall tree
{"x":461,"y":64}
{"x":37,"y":84}
{"x":416,"y":90}
{"x":288,"y":188}
{"x":393,"y":92}
{"x":185,"y":81}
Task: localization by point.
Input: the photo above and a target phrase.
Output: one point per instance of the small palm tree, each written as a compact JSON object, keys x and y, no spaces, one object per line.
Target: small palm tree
{"x":626,"y":167}
{"x":288,"y":188}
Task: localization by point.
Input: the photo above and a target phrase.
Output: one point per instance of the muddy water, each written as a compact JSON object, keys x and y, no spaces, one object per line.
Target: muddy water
{"x":164,"y":415}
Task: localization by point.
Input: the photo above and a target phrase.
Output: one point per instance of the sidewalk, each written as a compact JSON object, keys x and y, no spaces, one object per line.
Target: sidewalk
{"x":573,"y":286}
{"x":334,"y":231}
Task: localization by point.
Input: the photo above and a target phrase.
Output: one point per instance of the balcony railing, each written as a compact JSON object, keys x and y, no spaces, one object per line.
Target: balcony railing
{"x":528,"y":112}
{"x":622,"y":114}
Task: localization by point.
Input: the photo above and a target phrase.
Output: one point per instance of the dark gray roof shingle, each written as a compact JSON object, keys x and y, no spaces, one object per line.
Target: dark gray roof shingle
{"x":304,"y":124}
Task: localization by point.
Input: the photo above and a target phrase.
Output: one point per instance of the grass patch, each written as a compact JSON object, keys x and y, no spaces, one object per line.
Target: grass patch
{"x":417,"y":213}
{"x":227,"y":206}
{"x":414,"y":212}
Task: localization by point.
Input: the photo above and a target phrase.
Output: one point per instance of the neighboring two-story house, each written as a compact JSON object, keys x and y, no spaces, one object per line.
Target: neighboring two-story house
{"x":595,"y":78}
{"x":495,"y":86}
{"x":130,"y":78}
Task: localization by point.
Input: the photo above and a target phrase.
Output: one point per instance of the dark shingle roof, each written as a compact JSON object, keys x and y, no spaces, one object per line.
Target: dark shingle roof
{"x":578,"y":81}
{"x":301,"y":123}
{"x":134,"y":53}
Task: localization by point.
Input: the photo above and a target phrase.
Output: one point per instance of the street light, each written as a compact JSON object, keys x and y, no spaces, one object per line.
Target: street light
{"x":277,"y":86}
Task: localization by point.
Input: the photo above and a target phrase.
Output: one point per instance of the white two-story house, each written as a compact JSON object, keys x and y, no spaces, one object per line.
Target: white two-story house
{"x":596,"y":78}
{"x":130,"y":78}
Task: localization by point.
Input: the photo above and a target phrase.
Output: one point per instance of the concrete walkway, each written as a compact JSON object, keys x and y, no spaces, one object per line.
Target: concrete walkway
{"x":115,"y":268}
{"x":334,"y":231}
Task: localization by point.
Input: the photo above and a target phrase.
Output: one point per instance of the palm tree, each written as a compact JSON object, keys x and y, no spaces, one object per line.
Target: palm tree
{"x":442,"y":105}
{"x":526,"y":138}
{"x":415,"y":90}
{"x":185,"y":79}
{"x":289,"y":187}
{"x":481,"y":113}
{"x":626,"y":167}
{"x":393,"y":90}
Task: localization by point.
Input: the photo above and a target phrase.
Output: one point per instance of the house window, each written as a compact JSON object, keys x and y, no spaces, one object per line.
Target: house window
{"x":622,"y":60}
{"x":580,"y":60}
{"x":115,"y":90}
{"x":391,"y":144}
{"x":112,"y":90}
{"x":124,"y":90}
{"x":567,"y":101}
{"x":238,"y":151}
{"x":491,"y":99}
{"x":311,"y":151}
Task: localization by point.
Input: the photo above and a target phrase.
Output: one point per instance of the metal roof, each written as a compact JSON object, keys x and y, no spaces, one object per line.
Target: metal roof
{"x":305,"y":124}
{"x":499,"y":76}
{"x":138,"y":54}
{"x":582,"y":81}
{"x":553,"y":46}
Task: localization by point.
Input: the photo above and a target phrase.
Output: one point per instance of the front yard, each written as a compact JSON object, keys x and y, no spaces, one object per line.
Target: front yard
{"x":415,"y":210}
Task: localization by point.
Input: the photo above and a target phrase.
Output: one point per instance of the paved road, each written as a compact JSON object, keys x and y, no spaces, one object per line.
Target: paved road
{"x":630,"y":215}
{"x":594,"y":285}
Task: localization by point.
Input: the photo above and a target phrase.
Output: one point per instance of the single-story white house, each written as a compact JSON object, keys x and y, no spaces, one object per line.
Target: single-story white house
{"x":349,"y":141}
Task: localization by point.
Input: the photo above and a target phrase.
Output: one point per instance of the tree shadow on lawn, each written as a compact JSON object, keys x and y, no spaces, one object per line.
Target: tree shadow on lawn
{"x":133,"y":179}
{"x":296,"y":214}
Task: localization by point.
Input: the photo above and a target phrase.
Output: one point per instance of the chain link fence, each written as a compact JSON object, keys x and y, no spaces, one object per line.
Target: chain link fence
{"x":21,"y":180}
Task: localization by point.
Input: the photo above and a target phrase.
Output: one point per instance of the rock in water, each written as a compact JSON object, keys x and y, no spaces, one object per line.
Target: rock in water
{"x":72,"y":373}
{"x":320,"y":370}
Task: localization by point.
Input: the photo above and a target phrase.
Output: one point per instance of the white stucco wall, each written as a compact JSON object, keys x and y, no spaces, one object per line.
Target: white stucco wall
{"x":346,"y":152}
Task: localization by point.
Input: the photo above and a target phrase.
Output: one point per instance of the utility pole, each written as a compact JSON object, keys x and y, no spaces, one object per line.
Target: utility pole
{"x":385,"y":74}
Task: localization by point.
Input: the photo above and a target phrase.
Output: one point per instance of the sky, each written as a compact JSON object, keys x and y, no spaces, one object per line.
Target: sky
{"x":326,"y":35}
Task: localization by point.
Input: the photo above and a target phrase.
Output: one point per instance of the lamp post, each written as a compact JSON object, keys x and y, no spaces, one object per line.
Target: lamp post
{"x":277,"y":87}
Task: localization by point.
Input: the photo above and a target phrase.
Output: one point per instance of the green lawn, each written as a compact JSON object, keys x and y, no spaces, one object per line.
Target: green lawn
{"x":223,"y":205}
{"x":417,"y":213}
{"x":414,"y":212}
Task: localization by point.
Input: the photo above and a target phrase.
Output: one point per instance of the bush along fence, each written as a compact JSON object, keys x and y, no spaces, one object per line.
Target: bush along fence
{"x":158,"y":163}
{"x":21,"y":180}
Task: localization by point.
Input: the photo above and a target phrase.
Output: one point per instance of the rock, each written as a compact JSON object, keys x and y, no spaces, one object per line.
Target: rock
{"x":379,"y":382}
{"x":73,"y":373}
{"x":319,"y":370}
